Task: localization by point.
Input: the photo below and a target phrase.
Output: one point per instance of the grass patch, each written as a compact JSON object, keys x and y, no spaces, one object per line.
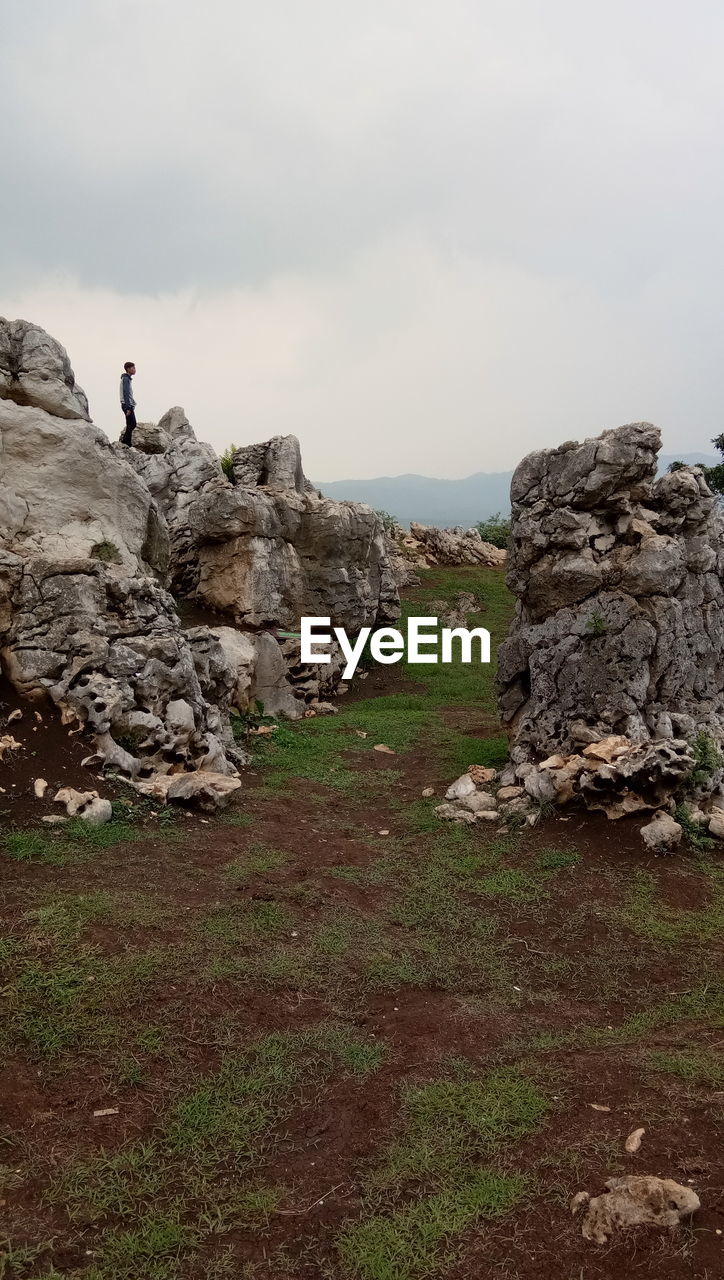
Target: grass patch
{"x":696,"y":1066}
{"x":158,"y":1199}
{"x":73,"y":1002}
{"x":557,"y":859}
{"x":415,"y":1241}
{"x":62,"y":918}
{"x":313,"y":749}
{"x":74,"y":841}
{"x":656,"y":921}
{"x":257,"y":860}
{"x":430,"y":1186}
{"x":703,"y":1006}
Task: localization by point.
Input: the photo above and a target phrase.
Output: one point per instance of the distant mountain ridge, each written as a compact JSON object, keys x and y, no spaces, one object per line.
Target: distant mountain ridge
{"x":450,"y":502}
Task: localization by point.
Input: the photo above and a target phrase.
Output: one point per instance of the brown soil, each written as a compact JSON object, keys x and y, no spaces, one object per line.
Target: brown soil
{"x":329,"y":1140}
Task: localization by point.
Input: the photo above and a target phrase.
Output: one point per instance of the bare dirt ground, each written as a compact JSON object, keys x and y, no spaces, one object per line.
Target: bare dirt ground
{"x":325,"y":1036}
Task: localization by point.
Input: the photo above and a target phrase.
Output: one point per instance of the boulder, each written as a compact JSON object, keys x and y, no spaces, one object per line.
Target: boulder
{"x":206,"y":790}
{"x":617,"y":643}
{"x":479,"y":802}
{"x":463,"y":786}
{"x":662,"y":834}
{"x":455,"y":812}
{"x":35,"y":371}
{"x":454,"y":547}
{"x":634,"y":1201}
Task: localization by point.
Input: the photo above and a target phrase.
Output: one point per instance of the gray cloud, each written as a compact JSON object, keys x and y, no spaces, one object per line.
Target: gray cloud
{"x":483,"y":211}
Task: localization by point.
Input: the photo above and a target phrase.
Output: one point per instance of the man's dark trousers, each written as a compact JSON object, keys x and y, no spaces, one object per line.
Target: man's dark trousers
{"x":130,"y":417}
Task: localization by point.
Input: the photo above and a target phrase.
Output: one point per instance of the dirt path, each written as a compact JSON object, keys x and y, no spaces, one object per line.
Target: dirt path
{"x":334,"y":1038}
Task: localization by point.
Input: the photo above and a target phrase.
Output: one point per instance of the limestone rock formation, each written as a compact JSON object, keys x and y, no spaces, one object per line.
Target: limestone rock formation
{"x":93,"y":534}
{"x":176,"y":469}
{"x":619,"y":627}
{"x":35,"y":370}
{"x":85,"y":619}
{"x":421,"y":547}
{"x":455,"y":547}
{"x":273,"y":464}
{"x":634,"y":1201}
{"x":267,"y":549}
{"x":66,"y":495}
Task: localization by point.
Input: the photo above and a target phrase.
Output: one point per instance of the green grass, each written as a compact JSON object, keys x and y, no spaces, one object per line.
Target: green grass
{"x":703,"y":1006}
{"x":416,"y":1241}
{"x":154,"y":1200}
{"x":430,"y":1186}
{"x":696,"y":1066}
{"x":557,"y":859}
{"x":646,"y":915}
{"x":445,"y":1123}
{"x":64,"y":917}
{"x":312,"y":750}
{"x":256,"y":860}
{"x":74,"y":841}
{"x":72,"y":1001}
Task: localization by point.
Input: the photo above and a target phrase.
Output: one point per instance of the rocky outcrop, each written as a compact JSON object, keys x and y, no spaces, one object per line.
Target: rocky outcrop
{"x":176,"y":469}
{"x":92,"y":535}
{"x":273,"y":464}
{"x":618,"y":630}
{"x":35,"y":371}
{"x":423,"y":548}
{"x":455,"y":547}
{"x":84,"y":618}
{"x":266,"y":549}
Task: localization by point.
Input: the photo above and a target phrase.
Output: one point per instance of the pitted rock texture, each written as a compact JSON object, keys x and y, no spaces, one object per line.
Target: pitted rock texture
{"x":274,"y":464}
{"x":177,"y":469}
{"x":91,"y":536}
{"x":619,"y":628}
{"x":107,"y":649}
{"x":85,"y":619}
{"x":634,"y":1201}
{"x":267,"y":549}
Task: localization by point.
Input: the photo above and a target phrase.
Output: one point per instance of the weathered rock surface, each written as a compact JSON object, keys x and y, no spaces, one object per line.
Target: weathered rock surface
{"x":65,"y":494}
{"x":35,"y":371}
{"x":267,"y":549}
{"x":619,"y":627}
{"x":634,"y":1201}
{"x":176,"y":469}
{"x":272,"y":464}
{"x":662,"y":834}
{"x":455,"y":546}
{"x":423,"y":547}
{"x":91,"y":536}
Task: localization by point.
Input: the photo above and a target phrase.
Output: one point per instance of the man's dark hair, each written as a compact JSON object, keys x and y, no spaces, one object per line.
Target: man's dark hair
{"x":129,"y":365}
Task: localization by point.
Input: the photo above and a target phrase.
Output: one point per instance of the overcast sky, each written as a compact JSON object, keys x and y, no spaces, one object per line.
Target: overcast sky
{"x":423,"y":235}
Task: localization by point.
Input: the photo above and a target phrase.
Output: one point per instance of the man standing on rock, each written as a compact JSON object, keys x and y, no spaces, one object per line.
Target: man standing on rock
{"x":128,"y":404}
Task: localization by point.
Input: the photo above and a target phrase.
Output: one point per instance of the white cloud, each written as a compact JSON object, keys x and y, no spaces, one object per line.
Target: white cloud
{"x":424,"y":236}
{"x":409,"y":360}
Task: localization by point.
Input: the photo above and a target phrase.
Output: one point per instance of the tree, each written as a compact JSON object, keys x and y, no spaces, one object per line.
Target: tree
{"x":715,"y":475}
{"x":496,"y":529}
